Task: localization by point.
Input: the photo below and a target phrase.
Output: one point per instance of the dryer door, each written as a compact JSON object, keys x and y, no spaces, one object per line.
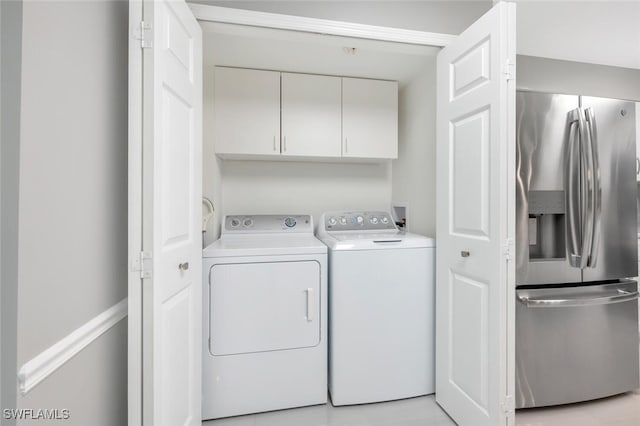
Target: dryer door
{"x":259,"y":307}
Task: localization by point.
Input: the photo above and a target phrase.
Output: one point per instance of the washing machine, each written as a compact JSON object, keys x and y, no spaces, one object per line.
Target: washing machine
{"x":381,"y":308}
{"x":265,"y":316}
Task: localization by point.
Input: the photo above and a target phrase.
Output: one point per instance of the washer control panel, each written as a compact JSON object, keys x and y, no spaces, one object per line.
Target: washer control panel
{"x":267,"y":223}
{"x":358,"y":221}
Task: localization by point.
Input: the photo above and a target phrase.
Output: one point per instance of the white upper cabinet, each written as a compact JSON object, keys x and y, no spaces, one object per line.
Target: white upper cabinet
{"x":247,"y":111}
{"x":369,"y":118}
{"x":311,"y":115}
{"x":271,"y":113}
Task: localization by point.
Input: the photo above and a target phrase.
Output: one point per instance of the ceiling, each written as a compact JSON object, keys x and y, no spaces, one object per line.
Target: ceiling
{"x":263,"y":48}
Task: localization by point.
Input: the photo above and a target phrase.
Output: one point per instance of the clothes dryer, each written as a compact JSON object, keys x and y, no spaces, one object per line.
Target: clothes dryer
{"x":265,"y":316}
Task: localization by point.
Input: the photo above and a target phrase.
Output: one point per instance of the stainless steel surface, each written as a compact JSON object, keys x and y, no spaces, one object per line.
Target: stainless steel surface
{"x":579,"y":351}
{"x":465,"y":253}
{"x":615,"y":248}
{"x":545,"y":139}
{"x":584,"y":149}
{"x":616,"y":296}
{"x":597,"y":185}
{"x":572,"y":191}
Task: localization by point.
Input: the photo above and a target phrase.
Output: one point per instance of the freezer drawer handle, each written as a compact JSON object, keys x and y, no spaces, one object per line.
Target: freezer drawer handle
{"x":622,"y":296}
{"x":465,"y":253}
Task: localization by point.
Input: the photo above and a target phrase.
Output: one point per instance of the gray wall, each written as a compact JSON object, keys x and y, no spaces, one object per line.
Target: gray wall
{"x":10,"y":61}
{"x":414,"y":172}
{"x":558,"y":76}
{"x":72,"y":244}
{"x":448,"y":17}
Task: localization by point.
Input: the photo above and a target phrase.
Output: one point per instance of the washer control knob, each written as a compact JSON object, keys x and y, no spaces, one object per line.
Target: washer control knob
{"x":359,"y":220}
{"x":290,"y":222}
{"x":332,"y":221}
{"x":235,"y":222}
{"x":374,"y":220}
{"x":343,"y":220}
{"x":384,"y":220}
{"x":247,"y":223}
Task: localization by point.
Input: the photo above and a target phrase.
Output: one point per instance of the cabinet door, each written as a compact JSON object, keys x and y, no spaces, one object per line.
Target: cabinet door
{"x":247,"y":111}
{"x":311,"y":115}
{"x":369,"y":118}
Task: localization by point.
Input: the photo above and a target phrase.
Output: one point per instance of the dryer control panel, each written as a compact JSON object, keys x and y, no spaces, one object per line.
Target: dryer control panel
{"x":267,"y":223}
{"x":358,"y":221}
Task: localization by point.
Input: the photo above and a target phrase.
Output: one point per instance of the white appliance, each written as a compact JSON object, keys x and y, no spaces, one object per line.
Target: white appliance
{"x":265,"y":316}
{"x":381,"y":308}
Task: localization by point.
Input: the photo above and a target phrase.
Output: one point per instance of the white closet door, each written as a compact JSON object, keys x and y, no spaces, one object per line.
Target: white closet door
{"x":246,"y":111}
{"x":311,"y":115}
{"x":369,"y":118}
{"x":165,"y":191}
{"x":475,"y":215}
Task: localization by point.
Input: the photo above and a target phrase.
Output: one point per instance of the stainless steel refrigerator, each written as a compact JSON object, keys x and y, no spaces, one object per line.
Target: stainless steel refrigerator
{"x":576,"y":249}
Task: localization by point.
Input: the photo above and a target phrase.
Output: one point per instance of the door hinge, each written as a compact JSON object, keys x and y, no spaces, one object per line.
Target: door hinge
{"x":507,"y":249}
{"x":509,"y":70}
{"x":139,"y":264}
{"x":143,"y":33}
{"x":509,"y":406}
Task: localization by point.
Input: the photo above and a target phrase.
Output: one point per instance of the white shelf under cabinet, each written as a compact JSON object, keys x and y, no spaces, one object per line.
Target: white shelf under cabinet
{"x":369,"y":118}
{"x":311,"y":115}
{"x":247,"y":111}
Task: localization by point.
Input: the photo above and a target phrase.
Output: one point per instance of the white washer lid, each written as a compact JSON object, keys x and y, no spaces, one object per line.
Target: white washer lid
{"x":264,"y":245}
{"x":349,"y":240}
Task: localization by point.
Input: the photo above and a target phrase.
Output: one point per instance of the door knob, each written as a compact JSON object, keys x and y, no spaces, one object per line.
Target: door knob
{"x":183,"y":266}
{"x":465,"y":253}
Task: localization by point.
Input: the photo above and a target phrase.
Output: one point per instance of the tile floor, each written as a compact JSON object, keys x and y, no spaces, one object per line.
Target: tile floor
{"x":621,"y":410}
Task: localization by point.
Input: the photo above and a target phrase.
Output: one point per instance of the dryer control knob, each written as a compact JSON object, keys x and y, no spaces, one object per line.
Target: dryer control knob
{"x":359,"y":220}
{"x":374,"y":220}
{"x":235,"y":222}
{"x":332,"y":221}
{"x":290,"y":222}
{"x":248,"y":222}
{"x":343,"y":220}
{"x":384,"y":220}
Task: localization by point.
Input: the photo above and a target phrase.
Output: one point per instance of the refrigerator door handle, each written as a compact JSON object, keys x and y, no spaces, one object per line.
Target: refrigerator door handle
{"x":573,"y":190}
{"x":596,"y":187}
{"x":618,"y":297}
{"x":587,"y":205}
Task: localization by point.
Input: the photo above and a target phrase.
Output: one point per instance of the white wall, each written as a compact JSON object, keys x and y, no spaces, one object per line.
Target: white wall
{"x":73,"y":201}
{"x":414,"y":172}
{"x":304,"y":187}
{"x":211,"y":165}
{"x":556,"y":76}
{"x":10,"y":66}
{"x":600,"y":32}
{"x":448,"y":17}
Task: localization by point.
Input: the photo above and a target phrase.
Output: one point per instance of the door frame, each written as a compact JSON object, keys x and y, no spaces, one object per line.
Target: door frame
{"x":225,"y":15}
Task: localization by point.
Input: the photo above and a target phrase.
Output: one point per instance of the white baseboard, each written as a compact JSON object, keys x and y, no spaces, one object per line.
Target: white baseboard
{"x":41,"y":366}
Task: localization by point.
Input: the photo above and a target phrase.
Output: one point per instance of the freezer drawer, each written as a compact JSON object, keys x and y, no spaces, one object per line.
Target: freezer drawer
{"x":575,"y":343}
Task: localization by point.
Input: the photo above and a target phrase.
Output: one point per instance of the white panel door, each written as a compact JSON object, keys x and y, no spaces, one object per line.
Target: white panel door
{"x":246,"y":111}
{"x":311,"y":115}
{"x":369,"y":118}
{"x":475,"y":216}
{"x":168,"y":203}
{"x":266,"y":306}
